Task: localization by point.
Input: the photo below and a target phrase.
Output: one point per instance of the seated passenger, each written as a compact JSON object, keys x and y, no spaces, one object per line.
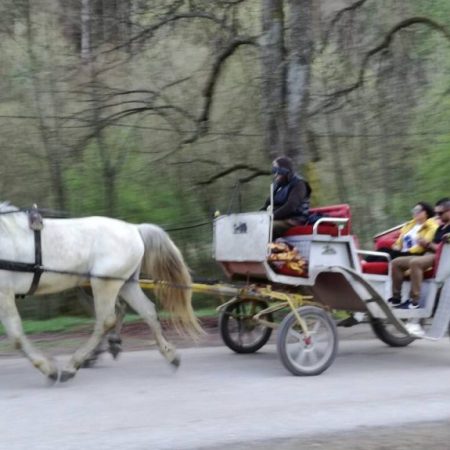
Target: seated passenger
{"x":291,"y":197}
{"x":423,"y":225}
{"x":417,"y":265}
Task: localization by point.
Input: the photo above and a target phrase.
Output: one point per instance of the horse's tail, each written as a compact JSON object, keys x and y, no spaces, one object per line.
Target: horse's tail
{"x":164,"y":263}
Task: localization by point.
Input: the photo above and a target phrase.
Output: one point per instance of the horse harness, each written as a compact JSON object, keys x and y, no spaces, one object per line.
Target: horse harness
{"x":36,"y":224}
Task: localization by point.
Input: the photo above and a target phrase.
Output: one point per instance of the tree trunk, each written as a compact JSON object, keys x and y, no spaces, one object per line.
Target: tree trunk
{"x":48,"y":136}
{"x":286,"y":77}
{"x":300,"y":49}
{"x":108,"y":170}
{"x":334,"y":149}
{"x":273,"y":71}
{"x":85,"y":31}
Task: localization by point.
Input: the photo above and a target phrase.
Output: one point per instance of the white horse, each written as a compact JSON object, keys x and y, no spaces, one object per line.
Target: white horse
{"x":112,"y":254}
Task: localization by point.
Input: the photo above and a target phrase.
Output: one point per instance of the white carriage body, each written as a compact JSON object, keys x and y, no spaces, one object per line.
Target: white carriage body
{"x":335,"y":273}
{"x":241,"y":246}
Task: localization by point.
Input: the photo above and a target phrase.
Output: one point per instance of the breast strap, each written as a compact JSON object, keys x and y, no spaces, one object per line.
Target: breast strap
{"x":37,"y":262}
{"x":35,"y":268}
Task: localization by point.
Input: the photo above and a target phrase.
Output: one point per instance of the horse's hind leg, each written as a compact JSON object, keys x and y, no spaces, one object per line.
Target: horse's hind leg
{"x":105,"y":294}
{"x":114,"y":339}
{"x":135,"y":297}
{"x":112,"y":342}
{"x":13,"y":326}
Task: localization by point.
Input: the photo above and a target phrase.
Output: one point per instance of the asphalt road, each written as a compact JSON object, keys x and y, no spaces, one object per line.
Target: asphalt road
{"x":372,"y":397}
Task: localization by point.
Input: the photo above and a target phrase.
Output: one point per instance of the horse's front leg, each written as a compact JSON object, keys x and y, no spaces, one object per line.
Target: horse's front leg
{"x":13,"y":325}
{"x":105,"y":294}
{"x":135,"y":297}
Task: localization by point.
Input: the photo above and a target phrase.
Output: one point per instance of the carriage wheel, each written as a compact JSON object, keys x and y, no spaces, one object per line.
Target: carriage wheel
{"x":239,"y":331}
{"x":387,"y":333}
{"x":311,"y":355}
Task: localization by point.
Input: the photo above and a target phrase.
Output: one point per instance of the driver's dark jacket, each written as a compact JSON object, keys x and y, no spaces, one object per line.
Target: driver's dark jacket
{"x":291,"y":200}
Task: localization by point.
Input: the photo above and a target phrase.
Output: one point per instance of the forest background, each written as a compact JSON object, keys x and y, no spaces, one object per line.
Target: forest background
{"x":164,"y":111}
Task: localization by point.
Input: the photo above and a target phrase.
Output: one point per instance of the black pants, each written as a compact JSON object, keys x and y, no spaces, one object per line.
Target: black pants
{"x":281,"y":226}
{"x":393,"y":254}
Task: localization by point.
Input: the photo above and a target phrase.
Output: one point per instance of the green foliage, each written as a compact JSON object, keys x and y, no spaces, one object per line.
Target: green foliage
{"x":391,"y":136}
{"x":56,"y":325}
{"x":76,"y":324}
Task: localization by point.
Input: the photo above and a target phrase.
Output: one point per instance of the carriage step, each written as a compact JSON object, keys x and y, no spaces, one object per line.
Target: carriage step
{"x":442,"y":315}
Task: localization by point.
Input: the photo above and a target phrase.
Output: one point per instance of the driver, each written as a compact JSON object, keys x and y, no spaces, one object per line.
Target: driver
{"x":291,"y":197}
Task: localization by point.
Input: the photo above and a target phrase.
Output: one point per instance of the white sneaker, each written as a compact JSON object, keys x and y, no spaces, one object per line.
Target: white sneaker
{"x":415,"y":329}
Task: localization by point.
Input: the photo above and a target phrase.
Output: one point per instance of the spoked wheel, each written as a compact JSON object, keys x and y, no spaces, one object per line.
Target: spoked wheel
{"x":387,"y":333}
{"x":311,"y":355}
{"x":239,"y":331}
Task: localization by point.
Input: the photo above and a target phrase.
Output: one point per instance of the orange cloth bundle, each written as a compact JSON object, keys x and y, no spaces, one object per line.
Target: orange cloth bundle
{"x":285,"y":258}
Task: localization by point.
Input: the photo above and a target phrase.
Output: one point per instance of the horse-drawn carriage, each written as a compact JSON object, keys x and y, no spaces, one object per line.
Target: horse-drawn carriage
{"x":336,"y":277}
{"x":56,"y":254}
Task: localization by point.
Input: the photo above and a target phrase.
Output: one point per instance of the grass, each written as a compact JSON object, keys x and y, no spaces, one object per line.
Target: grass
{"x":54,"y":325}
{"x":68,"y":323}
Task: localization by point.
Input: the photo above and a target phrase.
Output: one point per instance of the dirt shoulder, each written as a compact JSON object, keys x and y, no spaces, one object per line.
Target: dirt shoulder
{"x":414,"y":436}
{"x":135,"y":336}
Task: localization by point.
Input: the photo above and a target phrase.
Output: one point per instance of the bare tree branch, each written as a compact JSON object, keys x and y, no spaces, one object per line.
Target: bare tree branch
{"x":214,"y":75}
{"x":231,"y":2}
{"x":256,"y":172}
{"x":148,"y":32}
{"x":196,"y":161}
{"x":385,"y":45}
{"x":353,"y":7}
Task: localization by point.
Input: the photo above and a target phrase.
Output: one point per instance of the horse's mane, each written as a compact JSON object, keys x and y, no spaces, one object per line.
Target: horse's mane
{"x":7,"y":207}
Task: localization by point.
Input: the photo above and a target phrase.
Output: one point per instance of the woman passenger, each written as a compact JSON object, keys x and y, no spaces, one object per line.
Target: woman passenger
{"x":415,"y":239}
{"x":421,"y":227}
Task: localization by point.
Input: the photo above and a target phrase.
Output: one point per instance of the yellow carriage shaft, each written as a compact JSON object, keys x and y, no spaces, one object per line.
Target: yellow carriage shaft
{"x":249,"y":292}
{"x":246,"y":292}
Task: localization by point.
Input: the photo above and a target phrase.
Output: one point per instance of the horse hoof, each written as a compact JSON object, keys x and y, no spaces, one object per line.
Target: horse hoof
{"x":53,"y":377}
{"x":66,"y":375}
{"x":115,"y":341}
{"x":115,"y":350}
{"x":88,"y":363}
{"x":176,"y":362}
{"x":115,"y":346}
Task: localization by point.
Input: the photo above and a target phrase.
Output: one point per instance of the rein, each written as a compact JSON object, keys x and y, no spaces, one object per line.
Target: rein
{"x":37,"y":269}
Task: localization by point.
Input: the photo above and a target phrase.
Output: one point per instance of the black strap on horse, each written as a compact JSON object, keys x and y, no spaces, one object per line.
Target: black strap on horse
{"x":36,"y":224}
{"x":37,"y":262}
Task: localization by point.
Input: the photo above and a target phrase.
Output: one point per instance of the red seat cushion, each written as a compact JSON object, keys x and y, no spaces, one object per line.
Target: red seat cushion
{"x":387,"y":240}
{"x":437,"y":258}
{"x":341,"y":211}
{"x":429,"y":273}
{"x":375,"y":268}
{"x":384,"y":243}
{"x":284,"y":270}
{"x":329,"y":229}
{"x":381,"y":268}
